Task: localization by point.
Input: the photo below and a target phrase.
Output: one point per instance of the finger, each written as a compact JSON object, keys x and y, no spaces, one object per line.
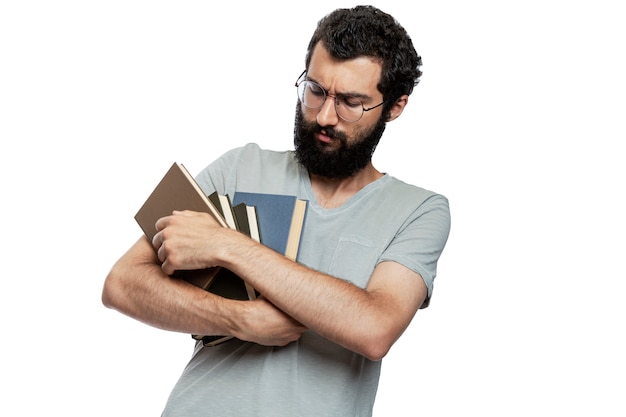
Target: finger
{"x":167,"y":268}
{"x":157,"y":240}
{"x":182,"y":213}
{"x":161,"y":253}
{"x":162,"y":223}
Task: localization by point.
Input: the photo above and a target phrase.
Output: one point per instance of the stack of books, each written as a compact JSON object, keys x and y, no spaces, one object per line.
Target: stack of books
{"x":274,"y":220}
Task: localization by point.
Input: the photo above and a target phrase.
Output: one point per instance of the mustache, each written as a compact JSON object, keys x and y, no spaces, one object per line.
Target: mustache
{"x":328,"y":131}
{"x":332,"y":133}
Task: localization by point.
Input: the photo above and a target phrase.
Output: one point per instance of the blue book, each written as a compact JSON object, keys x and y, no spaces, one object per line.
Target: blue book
{"x":280,"y":219}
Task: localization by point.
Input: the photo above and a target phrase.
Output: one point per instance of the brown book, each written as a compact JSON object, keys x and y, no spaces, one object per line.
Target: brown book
{"x":178,"y":190}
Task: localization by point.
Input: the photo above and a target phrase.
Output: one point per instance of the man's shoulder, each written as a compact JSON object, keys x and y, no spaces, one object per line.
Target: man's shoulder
{"x":408,"y":199}
{"x":251,"y":156}
{"x":410,"y":190}
{"x":253,"y":149}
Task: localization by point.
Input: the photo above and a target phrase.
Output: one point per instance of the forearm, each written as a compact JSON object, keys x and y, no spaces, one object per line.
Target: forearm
{"x":136,"y":286}
{"x":355,"y":318}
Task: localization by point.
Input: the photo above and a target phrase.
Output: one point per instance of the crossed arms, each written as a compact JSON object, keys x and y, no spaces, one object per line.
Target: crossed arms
{"x":295,"y":298}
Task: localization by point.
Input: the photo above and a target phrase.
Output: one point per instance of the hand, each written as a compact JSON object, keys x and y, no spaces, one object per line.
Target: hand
{"x":265,"y":324}
{"x":187,"y":240}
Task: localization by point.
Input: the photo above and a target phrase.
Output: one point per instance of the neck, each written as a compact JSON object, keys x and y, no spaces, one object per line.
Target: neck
{"x":333,"y":192}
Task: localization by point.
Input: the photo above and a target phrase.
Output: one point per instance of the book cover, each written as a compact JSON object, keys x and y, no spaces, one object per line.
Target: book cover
{"x":280,"y":218}
{"x":178,"y":190}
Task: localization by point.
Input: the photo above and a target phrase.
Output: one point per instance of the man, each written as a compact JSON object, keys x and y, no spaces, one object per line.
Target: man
{"x":312,"y":344}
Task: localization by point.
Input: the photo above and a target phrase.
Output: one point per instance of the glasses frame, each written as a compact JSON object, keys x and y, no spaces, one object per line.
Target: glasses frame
{"x":300,"y":80}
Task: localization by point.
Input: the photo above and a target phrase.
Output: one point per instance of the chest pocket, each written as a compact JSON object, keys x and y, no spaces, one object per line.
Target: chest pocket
{"x":354,"y":259}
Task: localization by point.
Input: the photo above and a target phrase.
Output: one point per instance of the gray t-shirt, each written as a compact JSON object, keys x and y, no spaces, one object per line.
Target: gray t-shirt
{"x":388,"y":220}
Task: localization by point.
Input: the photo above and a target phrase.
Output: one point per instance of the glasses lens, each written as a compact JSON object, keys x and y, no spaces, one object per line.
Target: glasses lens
{"x":349,"y":109}
{"x":311,"y":94}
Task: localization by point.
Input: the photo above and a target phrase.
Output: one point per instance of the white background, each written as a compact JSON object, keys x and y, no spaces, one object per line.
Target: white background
{"x":519,"y":121}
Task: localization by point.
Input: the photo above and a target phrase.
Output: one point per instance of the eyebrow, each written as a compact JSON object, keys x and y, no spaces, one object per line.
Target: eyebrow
{"x":363,"y":97}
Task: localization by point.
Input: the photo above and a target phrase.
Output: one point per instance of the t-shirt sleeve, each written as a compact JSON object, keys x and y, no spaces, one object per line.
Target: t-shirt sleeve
{"x":218,"y":175}
{"x":420,"y":242}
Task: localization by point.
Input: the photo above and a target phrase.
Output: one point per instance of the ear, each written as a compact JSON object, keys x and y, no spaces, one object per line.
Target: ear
{"x":398,"y":107}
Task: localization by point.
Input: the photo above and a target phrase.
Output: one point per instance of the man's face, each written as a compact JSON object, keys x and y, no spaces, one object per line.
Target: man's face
{"x":325,"y":144}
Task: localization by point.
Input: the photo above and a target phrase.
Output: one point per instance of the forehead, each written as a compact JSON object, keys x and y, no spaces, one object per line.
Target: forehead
{"x":359,"y":75}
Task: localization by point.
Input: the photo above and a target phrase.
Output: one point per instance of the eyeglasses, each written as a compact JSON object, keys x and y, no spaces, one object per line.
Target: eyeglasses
{"x":348,"y":108}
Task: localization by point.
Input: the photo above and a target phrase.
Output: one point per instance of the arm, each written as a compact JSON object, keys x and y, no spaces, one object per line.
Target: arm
{"x":137,"y":286}
{"x":365,"y":321}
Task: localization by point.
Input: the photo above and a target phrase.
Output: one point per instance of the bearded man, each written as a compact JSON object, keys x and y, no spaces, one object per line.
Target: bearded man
{"x":312,"y":344}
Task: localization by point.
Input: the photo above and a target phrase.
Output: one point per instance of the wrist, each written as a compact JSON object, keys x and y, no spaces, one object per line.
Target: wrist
{"x":236,"y":249}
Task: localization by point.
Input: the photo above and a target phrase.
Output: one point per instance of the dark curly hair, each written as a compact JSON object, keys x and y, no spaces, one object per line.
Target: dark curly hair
{"x":367,"y":31}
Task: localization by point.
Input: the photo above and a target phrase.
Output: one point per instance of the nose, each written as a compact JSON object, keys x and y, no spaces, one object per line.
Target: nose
{"x":327,"y":115}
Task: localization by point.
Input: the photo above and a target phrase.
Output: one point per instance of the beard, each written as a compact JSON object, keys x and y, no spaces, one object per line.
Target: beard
{"x":320,"y":159}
